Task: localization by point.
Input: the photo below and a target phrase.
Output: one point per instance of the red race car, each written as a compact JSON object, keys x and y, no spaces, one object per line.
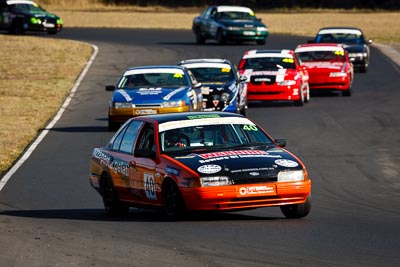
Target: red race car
{"x":275,"y":75}
{"x":328,"y":66}
{"x":217,"y":161}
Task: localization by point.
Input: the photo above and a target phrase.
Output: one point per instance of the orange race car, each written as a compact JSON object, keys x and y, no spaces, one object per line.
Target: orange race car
{"x":198,"y":161}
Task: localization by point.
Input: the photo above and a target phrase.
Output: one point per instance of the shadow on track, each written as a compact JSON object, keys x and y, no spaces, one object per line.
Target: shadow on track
{"x":134,"y":215}
{"x":81,"y":129}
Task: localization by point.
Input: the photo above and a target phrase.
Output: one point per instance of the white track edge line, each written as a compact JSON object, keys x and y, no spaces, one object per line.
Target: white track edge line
{"x":49,"y":126}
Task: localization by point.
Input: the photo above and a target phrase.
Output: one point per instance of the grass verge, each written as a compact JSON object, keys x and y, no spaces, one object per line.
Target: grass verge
{"x":36,"y":75}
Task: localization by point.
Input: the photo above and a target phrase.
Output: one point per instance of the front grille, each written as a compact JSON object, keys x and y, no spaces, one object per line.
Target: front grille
{"x":147,"y":105}
{"x":267,"y":79}
{"x":254,"y":180}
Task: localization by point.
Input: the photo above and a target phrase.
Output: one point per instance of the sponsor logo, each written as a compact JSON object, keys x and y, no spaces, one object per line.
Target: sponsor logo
{"x":255,"y":190}
{"x":286,"y":163}
{"x":231,"y":153}
{"x":209,"y":169}
{"x":254,"y":173}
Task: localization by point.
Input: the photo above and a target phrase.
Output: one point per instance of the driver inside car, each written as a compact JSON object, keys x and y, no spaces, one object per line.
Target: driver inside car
{"x":173,"y":138}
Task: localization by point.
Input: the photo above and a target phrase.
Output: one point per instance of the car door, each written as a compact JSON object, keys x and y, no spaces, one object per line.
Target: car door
{"x":120,"y":166}
{"x":146,"y":183}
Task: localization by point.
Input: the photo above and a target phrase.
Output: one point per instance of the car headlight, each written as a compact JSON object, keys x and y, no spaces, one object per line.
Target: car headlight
{"x":261,"y":29}
{"x":215,"y":181}
{"x":36,"y":21}
{"x":291,"y":176}
{"x":287,"y":83}
{"x":338,"y":74}
{"x":123,"y":105}
{"x":173,"y":104}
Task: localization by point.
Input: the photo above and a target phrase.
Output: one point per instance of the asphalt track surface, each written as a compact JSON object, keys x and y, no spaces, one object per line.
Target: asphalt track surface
{"x":49,"y":214}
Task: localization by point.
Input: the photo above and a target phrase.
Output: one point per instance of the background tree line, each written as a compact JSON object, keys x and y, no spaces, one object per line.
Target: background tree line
{"x":269,"y":4}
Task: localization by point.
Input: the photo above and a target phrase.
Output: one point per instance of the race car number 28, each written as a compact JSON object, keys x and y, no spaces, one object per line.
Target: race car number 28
{"x":149,"y":186}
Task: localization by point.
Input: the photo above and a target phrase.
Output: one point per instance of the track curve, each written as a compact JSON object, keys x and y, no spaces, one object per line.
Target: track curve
{"x":50,"y":215}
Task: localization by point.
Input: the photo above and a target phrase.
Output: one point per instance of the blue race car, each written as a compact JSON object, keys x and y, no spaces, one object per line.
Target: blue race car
{"x":222,"y":87}
{"x":153,"y":90}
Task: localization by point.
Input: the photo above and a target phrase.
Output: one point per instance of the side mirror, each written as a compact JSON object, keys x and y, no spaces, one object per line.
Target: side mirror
{"x":242,"y":78}
{"x":110,"y":87}
{"x":196,"y":85}
{"x":369,"y":42}
{"x":280,"y":142}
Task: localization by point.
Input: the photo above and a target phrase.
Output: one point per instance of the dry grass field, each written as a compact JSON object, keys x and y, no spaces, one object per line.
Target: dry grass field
{"x":36,"y":74}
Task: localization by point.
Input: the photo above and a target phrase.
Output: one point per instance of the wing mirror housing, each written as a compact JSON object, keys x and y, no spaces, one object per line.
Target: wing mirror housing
{"x":280,"y":142}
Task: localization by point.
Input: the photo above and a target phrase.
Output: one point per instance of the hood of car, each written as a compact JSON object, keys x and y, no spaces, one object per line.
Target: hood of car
{"x":150,"y":95}
{"x":39,"y":14}
{"x":242,"y":166}
{"x":323,"y":66}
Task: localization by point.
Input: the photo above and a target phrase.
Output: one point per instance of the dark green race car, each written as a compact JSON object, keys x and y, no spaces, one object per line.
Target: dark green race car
{"x":18,"y":16}
{"x":229,"y":23}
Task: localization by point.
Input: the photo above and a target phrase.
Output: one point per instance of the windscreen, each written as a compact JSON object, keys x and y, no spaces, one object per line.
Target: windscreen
{"x":268,"y":63}
{"x":212,"y":74}
{"x":307,"y":56}
{"x":149,"y":79}
{"x":218,"y":132}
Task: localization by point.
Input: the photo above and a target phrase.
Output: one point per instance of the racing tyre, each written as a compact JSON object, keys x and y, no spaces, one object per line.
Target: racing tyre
{"x":173,"y":205}
{"x":17,"y":27}
{"x":364,"y":69}
{"x":262,"y":42}
{"x":220,"y":37}
{"x":199,"y":38}
{"x":307,"y":99}
{"x":296,"y":211}
{"x":243,"y":111}
{"x":346,"y":92}
{"x":52,"y":31}
{"x":112,"y":204}
{"x":300,"y":102}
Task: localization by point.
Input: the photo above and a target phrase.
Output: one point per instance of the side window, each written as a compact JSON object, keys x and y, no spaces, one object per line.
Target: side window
{"x":146,"y":139}
{"x":192,"y":77}
{"x":116,"y":143}
{"x":129,"y":137}
{"x":206,"y":13}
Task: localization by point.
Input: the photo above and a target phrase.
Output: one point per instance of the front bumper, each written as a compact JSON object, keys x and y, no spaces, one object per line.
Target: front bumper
{"x":237,"y":197}
{"x":121,"y":115}
{"x":250,"y":35}
{"x":273,"y":93}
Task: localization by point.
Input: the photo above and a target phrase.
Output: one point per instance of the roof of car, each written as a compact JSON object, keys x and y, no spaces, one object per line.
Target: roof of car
{"x":267,"y":53}
{"x":158,"y":68}
{"x":234,"y":8}
{"x":326,"y":30}
{"x":161,"y":118}
{"x":204,"y":60}
{"x":318,"y":47}
{"x":13,"y":2}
